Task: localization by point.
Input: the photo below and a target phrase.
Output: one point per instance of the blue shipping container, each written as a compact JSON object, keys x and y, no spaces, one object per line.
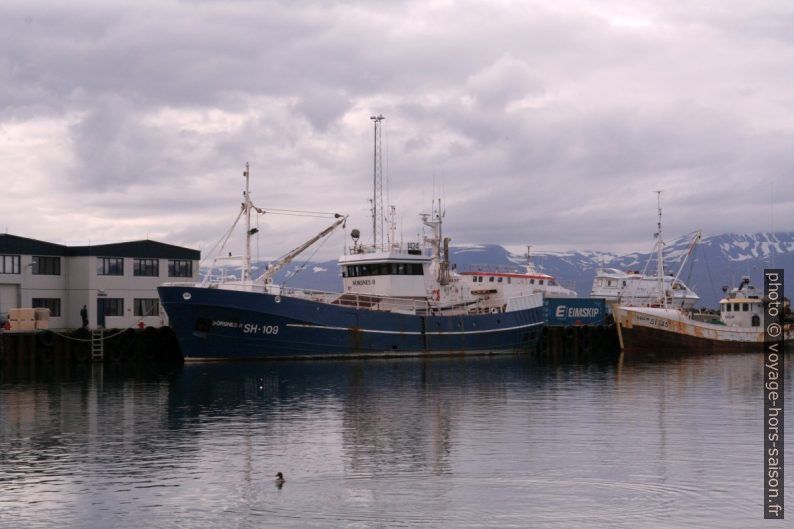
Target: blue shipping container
{"x":560,"y":312}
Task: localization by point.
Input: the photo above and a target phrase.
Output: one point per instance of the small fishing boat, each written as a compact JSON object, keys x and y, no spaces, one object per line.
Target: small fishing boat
{"x":739,"y":327}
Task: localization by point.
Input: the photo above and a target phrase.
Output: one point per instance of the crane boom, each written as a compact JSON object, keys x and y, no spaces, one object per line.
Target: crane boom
{"x":273,"y":268}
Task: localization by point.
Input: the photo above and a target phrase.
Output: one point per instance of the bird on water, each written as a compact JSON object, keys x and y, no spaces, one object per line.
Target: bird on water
{"x":280,"y":479}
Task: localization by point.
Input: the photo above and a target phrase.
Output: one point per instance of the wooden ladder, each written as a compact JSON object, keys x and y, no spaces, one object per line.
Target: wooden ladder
{"x":98,"y":345}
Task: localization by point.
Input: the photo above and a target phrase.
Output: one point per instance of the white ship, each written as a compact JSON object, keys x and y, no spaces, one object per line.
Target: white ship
{"x":640,"y":289}
{"x":495,"y":286}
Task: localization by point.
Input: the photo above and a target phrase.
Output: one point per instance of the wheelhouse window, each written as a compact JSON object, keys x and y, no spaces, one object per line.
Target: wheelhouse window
{"x":500,"y":280}
{"x":728,"y":307}
{"x":9,"y":264}
{"x":46,"y":266}
{"x":531,"y":281}
{"x":180,"y":268}
{"x":745,"y":307}
{"x":735,"y":307}
{"x":109,"y":266}
{"x":146,"y":306}
{"x":146,"y":267}
{"x":383,"y":269}
{"x":540,"y":281}
{"x":54,"y":304}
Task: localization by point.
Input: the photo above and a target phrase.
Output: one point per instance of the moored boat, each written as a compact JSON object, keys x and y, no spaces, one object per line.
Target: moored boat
{"x":396,"y":300}
{"x":739,"y":327}
{"x":642,"y":289}
{"x":637,"y":289}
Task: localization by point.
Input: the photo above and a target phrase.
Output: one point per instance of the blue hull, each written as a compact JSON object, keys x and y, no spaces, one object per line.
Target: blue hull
{"x":212,"y":323}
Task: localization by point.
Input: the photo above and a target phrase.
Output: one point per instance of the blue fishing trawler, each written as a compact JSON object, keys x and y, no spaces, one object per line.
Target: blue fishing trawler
{"x":396,"y":300}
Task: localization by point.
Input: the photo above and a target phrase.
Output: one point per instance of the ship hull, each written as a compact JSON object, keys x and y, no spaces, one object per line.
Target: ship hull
{"x":663,"y":331}
{"x":225,"y":324}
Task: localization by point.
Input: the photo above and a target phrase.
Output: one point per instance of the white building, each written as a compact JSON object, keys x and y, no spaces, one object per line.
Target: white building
{"x":117,"y":283}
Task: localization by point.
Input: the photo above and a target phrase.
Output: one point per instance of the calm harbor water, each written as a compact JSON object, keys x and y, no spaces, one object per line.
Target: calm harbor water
{"x":445,"y":442}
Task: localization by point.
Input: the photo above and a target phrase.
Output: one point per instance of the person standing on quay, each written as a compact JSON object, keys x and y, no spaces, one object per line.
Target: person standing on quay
{"x":84,"y":316}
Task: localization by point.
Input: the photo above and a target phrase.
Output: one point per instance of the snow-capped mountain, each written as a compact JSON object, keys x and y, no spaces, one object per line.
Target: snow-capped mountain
{"x":719,"y":260}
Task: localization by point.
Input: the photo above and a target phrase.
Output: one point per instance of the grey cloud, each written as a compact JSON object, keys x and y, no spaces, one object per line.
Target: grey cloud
{"x":544,"y":125}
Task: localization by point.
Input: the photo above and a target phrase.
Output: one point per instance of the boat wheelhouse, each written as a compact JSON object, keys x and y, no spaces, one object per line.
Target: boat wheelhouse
{"x":742,"y":306}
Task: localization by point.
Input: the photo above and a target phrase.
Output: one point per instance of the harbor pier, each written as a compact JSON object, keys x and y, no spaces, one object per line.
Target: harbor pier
{"x":80,"y":345}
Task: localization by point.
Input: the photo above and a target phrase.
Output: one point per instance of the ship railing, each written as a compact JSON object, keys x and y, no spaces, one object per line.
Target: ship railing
{"x":357,"y":300}
{"x":361,"y":300}
{"x":401,"y":305}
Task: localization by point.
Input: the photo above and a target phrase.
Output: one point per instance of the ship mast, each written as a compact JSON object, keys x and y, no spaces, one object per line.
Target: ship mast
{"x":530,"y":268}
{"x":247,"y":205}
{"x":377,"y":192}
{"x":659,"y":246}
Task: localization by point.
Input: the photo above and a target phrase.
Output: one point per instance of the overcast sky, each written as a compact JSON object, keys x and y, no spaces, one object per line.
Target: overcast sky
{"x":545,"y":123}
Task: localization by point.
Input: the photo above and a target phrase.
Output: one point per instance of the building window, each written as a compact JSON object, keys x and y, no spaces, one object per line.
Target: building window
{"x":46,"y":266}
{"x":9,"y":264}
{"x":146,"y":306}
{"x":54,"y":304}
{"x":113,"y":306}
{"x":109,"y":266}
{"x":146,"y":267}
{"x":180,"y":268}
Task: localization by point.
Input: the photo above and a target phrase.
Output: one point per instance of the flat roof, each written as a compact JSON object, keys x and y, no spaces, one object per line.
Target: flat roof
{"x":14,"y":244}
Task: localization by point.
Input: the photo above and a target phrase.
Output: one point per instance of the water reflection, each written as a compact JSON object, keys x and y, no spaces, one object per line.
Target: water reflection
{"x":438,"y":442}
